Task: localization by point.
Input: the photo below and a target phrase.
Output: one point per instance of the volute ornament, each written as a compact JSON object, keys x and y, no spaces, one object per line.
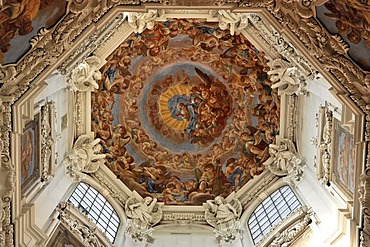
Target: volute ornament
{"x":84,"y":157}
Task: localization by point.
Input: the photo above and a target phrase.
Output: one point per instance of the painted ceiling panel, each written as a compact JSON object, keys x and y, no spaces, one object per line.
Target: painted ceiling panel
{"x":185,"y":111}
{"x":21,"y":20}
{"x":351,"y":20}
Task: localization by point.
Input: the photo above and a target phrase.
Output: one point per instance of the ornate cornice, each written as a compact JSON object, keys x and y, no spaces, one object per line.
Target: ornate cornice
{"x":83,"y":228}
{"x":364,"y":191}
{"x":288,"y":230}
{"x":89,"y":45}
{"x":184,"y":218}
{"x":329,"y":53}
{"x":255,"y":191}
{"x":8,"y":173}
{"x":47,"y":140}
{"x":290,"y":234}
{"x":325,"y":144}
{"x":114,"y":192}
{"x":50,"y":44}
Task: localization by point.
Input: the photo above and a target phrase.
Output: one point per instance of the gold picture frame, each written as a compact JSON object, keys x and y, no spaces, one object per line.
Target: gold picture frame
{"x":30,"y":154}
{"x":343,"y":159}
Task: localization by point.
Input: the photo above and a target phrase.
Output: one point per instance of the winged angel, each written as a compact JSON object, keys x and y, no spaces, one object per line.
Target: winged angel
{"x":85,"y":156}
{"x":143,"y":215}
{"x":283,"y":159}
{"x":224,"y":216}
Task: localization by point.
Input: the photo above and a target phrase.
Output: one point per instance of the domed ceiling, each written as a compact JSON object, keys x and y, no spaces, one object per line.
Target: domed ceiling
{"x":185,"y":112}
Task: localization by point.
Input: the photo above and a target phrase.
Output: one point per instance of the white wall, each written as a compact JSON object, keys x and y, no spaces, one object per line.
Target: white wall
{"x":183,"y":236}
{"x":330,"y":227}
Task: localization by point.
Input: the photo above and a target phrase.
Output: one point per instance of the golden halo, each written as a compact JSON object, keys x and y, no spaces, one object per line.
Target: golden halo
{"x":178,"y":89}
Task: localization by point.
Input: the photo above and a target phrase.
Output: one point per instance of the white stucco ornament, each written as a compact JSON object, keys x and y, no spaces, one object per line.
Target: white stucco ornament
{"x":141,"y":21}
{"x":288,"y":78}
{"x":284,"y":160}
{"x":224,"y":216}
{"x":235,"y":22}
{"x":143,"y":215}
{"x":85,"y":157}
{"x":86,"y":75}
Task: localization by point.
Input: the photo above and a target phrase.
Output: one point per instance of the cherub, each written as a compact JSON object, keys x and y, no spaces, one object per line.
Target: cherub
{"x":233,"y":172}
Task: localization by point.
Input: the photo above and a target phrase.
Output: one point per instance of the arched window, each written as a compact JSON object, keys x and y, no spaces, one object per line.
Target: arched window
{"x":97,"y":208}
{"x":271,"y":211}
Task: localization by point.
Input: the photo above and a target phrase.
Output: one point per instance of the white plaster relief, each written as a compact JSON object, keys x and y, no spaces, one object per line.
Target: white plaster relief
{"x":84,"y":157}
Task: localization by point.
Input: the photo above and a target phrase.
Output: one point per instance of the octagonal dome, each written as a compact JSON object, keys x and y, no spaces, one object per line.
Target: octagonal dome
{"x":185,"y":111}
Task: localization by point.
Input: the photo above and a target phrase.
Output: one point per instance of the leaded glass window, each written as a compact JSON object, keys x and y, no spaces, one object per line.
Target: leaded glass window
{"x":271,"y":211}
{"x":97,"y":208}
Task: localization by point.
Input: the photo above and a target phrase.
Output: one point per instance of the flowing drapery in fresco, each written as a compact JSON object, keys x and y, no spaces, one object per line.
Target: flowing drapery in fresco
{"x":185,"y":112}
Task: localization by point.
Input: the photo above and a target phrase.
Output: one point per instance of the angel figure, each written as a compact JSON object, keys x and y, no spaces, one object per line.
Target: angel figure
{"x":86,"y":75}
{"x":283,"y":159}
{"x":285,"y":76}
{"x":143,"y":214}
{"x":85,"y":156}
{"x":142,"y":210}
{"x":224,"y":217}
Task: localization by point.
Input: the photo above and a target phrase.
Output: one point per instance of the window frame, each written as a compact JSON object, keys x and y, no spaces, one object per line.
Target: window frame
{"x":87,"y":199}
{"x":283,"y":197}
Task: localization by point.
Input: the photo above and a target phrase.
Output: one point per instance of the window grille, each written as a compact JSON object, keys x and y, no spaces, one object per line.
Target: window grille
{"x":91,"y":203}
{"x":271,"y":211}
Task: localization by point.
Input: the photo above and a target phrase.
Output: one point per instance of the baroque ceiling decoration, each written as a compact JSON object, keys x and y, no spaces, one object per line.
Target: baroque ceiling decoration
{"x":20,"y":20}
{"x":351,"y":20}
{"x":327,"y":52}
{"x":185,"y":111}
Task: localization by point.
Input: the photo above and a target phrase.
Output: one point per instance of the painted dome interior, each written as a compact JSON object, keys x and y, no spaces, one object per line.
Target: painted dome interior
{"x":185,"y":111}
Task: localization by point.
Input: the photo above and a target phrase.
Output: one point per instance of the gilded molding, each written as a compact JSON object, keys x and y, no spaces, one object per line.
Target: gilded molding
{"x":80,"y":125}
{"x":7,"y":169}
{"x":325,"y":145}
{"x":81,"y":226}
{"x":288,"y":230}
{"x":113,"y":191}
{"x":364,"y":198}
{"x":47,"y":140}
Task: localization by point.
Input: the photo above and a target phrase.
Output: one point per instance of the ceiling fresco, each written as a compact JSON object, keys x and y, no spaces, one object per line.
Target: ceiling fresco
{"x":21,"y":20}
{"x":185,"y":111}
{"x":351,"y":20}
